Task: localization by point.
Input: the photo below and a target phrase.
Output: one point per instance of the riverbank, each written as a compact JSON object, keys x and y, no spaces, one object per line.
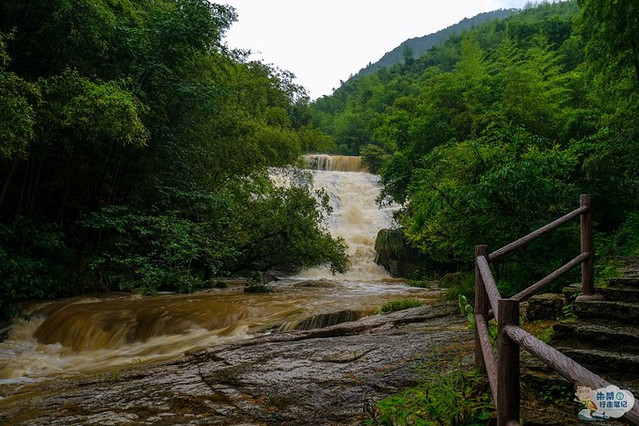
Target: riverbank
{"x":323,"y":376}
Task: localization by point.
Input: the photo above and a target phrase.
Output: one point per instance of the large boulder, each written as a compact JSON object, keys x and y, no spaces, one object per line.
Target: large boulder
{"x":395,"y":255}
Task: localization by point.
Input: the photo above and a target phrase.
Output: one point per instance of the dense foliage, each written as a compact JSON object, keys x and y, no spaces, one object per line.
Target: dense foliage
{"x":497,"y":131}
{"x":134,"y":150}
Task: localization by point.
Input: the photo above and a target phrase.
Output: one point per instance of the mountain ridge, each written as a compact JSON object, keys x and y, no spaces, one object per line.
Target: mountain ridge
{"x":420,"y":45}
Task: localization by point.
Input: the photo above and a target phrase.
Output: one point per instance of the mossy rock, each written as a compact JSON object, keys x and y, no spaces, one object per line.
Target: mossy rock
{"x":395,"y":254}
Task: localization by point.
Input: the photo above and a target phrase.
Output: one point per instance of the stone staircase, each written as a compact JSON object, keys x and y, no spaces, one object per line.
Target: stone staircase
{"x":604,"y":336}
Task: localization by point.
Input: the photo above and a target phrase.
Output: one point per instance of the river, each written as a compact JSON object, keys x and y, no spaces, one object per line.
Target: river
{"x":96,"y":334}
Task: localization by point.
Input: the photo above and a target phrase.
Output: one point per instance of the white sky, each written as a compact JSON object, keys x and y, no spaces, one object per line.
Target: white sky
{"x":323,"y":42}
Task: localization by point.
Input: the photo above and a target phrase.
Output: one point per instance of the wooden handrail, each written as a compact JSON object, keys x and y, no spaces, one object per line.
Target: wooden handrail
{"x":565,"y":366}
{"x":550,"y":278}
{"x":536,"y":234}
{"x":588,"y":266}
{"x":489,"y":283}
{"x":503,"y":370}
{"x":571,"y":370}
{"x":508,"y":389}
{"x":487,"y":351}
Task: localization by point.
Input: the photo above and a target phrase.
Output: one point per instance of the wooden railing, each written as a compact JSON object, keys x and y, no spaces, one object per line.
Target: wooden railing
{"x":503,"y":368}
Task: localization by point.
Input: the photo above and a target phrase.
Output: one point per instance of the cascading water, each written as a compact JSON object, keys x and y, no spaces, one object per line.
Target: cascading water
{"x":356,"y":216}
{"x":98,"y":334}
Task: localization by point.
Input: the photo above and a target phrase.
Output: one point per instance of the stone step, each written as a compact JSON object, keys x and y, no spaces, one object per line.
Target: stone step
{"x":601,"y":361}
{"x":621,"y":294}
{"x":624,"y":282}
{"x":571,"y":292}
{"x":597,"y":333}
{"x":627,"y":265}
{"x":623,"y":381}
{"x":626,"y":312}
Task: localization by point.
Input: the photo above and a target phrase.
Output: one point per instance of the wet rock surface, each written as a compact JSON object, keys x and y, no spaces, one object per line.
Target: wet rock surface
{"x":547,"y":306}
{"x":323,"y":376}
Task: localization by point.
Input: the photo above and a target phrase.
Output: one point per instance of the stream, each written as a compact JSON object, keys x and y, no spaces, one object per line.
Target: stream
{"x":92,"y":335}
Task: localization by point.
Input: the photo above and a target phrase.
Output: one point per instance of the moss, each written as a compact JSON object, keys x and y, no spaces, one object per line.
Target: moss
{"x":390,"y":243}
{"x":542,"y":329}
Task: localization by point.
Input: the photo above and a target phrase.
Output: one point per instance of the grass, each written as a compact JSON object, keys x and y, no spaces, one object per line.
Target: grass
{"x":398,"y":305}
{"x":254,"y":285}
{"x":458,"y":283}
{"x":418,"y":283}
{"x":455,"y":398}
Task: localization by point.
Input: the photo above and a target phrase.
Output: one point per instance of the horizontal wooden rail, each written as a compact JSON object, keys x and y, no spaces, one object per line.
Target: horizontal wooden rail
{"x":565,"y":366}
{"x":550,"y":278}
{"x":489,"y":283}
{"x":505,"y":385}
{"x":575,"y":373}
{"x":490,"y":359}
{"x":536,"y":234}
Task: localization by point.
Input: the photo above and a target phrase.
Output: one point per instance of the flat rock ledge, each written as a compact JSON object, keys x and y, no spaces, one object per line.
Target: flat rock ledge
{"x":328,"y":376}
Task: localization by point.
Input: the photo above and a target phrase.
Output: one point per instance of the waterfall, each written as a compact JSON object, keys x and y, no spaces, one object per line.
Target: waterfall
{"x":85,"y":335}
{"x":356,"y":217}
{"x":334,"y":163}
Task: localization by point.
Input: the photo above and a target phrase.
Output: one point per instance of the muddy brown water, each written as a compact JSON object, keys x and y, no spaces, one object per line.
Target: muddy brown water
{"x":97,"y":334}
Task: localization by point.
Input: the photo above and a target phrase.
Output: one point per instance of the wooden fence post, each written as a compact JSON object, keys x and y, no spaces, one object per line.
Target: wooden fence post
{"x":588,"y":265}
{"x":481,"y":307}
{"x":508,"y":392}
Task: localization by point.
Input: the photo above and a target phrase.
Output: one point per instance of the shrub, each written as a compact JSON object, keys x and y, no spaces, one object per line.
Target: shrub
{"x":455,"y":398}
{"x":254,"y":285}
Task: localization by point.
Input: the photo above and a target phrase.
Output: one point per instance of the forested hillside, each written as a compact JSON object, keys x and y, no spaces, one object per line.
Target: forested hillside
{"x":134,"y":149}
{"x":416,"y":47}
{"x":497,"y":131}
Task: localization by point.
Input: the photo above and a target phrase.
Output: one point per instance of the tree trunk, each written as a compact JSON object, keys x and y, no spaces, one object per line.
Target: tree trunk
{"x":7,"y":182}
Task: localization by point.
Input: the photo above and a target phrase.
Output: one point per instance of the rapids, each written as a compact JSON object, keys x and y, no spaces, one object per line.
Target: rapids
{"x":356,"y":217}
{"x":108,"y":333}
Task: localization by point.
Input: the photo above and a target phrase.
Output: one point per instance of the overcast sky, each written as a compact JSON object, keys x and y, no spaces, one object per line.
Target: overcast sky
{"x":325,"y":41}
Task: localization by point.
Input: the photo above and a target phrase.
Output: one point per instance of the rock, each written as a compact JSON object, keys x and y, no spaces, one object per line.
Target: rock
{"x":325,"y":320}
{"x":545,"y":307}
{"x":322,"y":283}
{"x":453,"y":279}
{"x":395,"y":255}
{"x":323,"y":376}
{"x":267,"y":277}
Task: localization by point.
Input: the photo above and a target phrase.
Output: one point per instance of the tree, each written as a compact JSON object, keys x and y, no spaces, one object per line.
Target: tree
{"x":478,"y":191}
{"x":17,"y":112}
{"x":133,"y":143}
{"x":612,"y":31}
